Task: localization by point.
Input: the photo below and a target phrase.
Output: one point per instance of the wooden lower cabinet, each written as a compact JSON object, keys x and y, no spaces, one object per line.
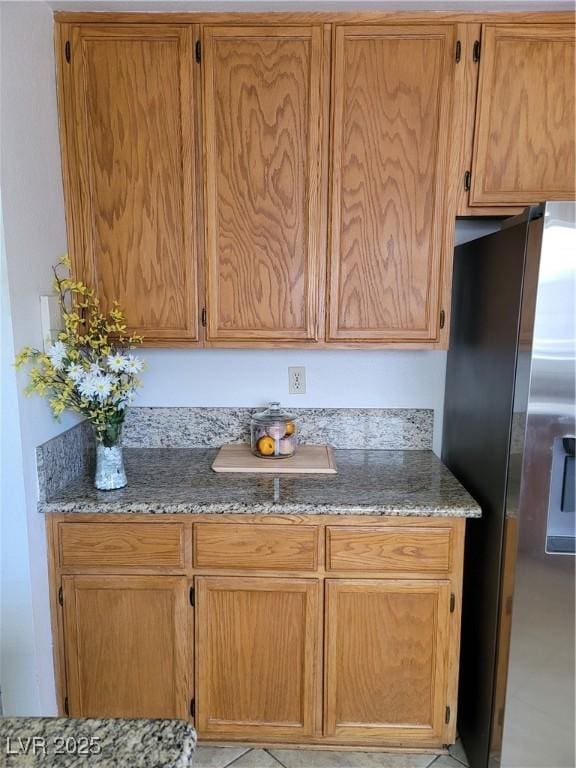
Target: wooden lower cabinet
{"x":126,"y":642}
{"x":258,"y":656}
{"x":339,"y":631}
{"x":386,"y":653}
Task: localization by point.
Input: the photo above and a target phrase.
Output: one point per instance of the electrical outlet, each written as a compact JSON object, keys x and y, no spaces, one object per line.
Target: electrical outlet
{"x":297,"y":380}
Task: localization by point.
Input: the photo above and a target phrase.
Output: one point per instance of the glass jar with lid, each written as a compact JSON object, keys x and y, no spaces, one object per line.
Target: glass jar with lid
{"x":273,"y":433}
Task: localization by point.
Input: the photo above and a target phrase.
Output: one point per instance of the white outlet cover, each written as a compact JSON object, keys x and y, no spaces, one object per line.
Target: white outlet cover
{"x":297,"y":380}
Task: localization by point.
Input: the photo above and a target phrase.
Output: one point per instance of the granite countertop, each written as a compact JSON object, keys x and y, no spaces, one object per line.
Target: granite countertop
{"x":63,"y":742}
{"x":369,"y":482}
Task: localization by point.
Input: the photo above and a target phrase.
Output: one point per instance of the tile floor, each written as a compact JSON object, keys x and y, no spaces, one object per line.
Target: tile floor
{"x":245,"y":757}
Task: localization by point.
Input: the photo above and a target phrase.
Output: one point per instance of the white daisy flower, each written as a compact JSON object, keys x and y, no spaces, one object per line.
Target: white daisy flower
{"x":75,"y":372}
{"x":96,"y":386}
{"x":95,"y":369}
{"x":132,"y":364}
{"x":87,"y":384}
{"x":115,"y":362}
{"x":57,"y":353}
{"x":123,"y":399}
{"x":103,"y":386}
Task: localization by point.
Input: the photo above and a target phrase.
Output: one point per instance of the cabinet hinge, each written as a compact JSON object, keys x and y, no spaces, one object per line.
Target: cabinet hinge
{"x":442,"y":318}
{"x":447,"y":716}
{"x":67,"y":51}
{"x":192,"y":708}
{"x":60,"y":596}
{"x":198,"y":51}
{"x":66,"y":709}
{"x":458,"y":55}
{"x":467,"y":181}
{"x":476,"y":51}
{"x":204,"y":317}
{"x":192,"y":597}
{"x":452,"y":602}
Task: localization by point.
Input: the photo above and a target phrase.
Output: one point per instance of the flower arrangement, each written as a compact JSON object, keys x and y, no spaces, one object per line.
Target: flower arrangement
{"x":89,"y":368}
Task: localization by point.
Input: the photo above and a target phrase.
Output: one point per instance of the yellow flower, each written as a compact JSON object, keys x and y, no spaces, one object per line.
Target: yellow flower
{"x":90,"y":336}
{"x":23,"y":356}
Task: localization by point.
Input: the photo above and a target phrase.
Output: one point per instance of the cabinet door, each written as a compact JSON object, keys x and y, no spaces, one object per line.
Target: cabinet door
{"x":126,"y":649}
{"x":392,"y":100}
{"x":258,"y":657}
{"x":264,"y":90}
{"x":386,"y":656}
{"x":129,"y":148}
{"x":524,"y":149}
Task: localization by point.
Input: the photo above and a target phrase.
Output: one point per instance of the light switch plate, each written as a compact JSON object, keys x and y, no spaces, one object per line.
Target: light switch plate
{"x":50,"y":318}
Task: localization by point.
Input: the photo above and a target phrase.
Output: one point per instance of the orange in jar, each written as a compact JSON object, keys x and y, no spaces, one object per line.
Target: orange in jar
{"x":266,"y":446}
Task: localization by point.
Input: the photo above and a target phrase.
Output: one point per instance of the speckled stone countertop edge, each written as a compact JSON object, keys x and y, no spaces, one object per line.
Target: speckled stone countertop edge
{"x":418,"y":510}
{"x":141,"y":743}
{"x":181,"y":481}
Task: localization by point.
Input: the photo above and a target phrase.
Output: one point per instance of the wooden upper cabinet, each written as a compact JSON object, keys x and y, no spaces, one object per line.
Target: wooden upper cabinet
{"x":126,"y":646}
{"x":524,"y":147}
{"x":387,"y":645}
{"x":264,"y":95}
{"x":128,"y":143}
{"x":258,"y":657}
{"x":392,"y":96}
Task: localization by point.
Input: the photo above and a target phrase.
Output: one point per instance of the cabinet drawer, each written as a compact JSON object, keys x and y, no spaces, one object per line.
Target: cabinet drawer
{"x":121,"y":544}
{"x":389,"y":549}
{"x":256,"y":547}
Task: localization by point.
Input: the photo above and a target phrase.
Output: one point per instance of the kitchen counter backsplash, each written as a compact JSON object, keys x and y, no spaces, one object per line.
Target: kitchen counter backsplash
{"x":66,"y":457}
{"x":393,"y":428}
{"x":70,"y":456}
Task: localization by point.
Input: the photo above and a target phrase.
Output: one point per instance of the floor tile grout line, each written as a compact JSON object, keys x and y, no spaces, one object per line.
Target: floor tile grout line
{"x":267,"y":750}
{"x":227,"y":765}
{"x":275,"y":758}
{"x":434,"y":758}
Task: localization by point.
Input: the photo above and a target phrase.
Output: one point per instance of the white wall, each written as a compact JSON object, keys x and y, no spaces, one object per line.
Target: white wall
{"x":34,"y":233}
{"x":334,"y":379}
{"x":17,"y":651}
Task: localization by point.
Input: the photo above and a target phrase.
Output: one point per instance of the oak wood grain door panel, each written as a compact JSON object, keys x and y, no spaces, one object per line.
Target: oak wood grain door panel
{"x":129,"y":150}
{"x":419,"y":550}
{"x":386,"y":652}
{"x":392,"y":97}
{"x":258,"y":657}
{"x":256,"y":547}
{"x":264,"y":91}
{"x":524,"y":146}
{"x":126,"y":646}
{"x":114,"y":545}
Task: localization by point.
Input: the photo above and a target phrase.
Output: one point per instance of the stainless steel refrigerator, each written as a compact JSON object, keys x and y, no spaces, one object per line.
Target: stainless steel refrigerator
{"x":509,"y":428}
